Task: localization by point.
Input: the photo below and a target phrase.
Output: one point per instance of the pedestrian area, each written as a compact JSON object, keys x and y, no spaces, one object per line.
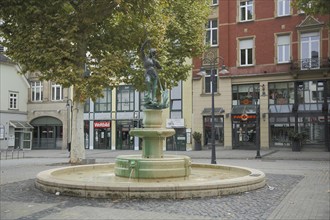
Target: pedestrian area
{"x":297,"y":188}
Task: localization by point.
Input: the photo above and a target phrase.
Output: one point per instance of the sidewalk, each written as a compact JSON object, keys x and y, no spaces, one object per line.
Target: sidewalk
{"x":297,"y":188}
{"x":221,"y":153}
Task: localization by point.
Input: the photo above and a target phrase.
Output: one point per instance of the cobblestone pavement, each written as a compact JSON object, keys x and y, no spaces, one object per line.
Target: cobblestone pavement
{"x":257,"y":204}
{"x":297,"y":187}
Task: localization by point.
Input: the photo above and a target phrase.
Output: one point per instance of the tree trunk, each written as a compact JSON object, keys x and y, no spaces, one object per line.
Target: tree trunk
{"x":77,"y":143}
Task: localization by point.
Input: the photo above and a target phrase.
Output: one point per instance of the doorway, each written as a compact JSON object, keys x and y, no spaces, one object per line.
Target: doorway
{"x":245,"y":135}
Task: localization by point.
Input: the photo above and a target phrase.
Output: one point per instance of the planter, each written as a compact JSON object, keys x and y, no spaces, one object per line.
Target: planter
{"x":296,"y":146}
{"x":197,"y":136}
{"x":198,"y":146}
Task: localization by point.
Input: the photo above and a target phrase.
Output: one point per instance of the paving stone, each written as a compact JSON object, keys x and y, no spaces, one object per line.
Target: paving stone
{"x":258,"y":204}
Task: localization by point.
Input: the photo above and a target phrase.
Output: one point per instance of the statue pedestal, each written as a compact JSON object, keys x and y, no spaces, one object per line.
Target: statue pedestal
{"x":152,"y":163}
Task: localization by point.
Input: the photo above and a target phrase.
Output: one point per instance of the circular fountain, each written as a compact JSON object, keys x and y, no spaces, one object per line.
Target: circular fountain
{"x":150,"y":175}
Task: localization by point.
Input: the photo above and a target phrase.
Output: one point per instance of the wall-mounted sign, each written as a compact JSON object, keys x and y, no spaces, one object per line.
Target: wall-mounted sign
{"x":175,"y":123}
{"x":246,"y":101}
{"x":102,"y":124}
{"x":244,"y":117}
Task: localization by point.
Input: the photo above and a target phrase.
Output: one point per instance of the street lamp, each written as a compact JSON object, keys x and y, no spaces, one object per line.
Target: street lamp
{"x":69,"y":106}
{"x":213,"y":60}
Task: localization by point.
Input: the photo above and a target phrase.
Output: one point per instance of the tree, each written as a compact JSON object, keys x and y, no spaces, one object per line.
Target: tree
{"x":90,"y":44}
{"x":313,"y":7}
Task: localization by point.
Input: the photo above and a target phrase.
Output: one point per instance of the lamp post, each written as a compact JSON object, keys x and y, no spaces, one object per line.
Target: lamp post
{"x":69,"y":106}
{"x":213,"y":60}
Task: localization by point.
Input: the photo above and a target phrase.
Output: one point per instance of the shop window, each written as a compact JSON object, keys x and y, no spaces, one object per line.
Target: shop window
{"x":281,"y":93}
{"x":246,"y":94}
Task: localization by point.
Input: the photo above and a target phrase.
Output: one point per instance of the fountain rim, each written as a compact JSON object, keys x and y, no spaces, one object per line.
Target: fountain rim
{"x":46,"y":181}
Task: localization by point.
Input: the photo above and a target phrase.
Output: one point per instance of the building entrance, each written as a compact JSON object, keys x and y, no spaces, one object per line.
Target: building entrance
{"x":244,"y":135}
{"x":47,"y":133}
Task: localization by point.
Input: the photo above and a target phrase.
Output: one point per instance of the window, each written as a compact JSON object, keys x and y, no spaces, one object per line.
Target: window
{"x":310,"y":50}
{"x":246,"y":52}
{"x":246,"y":10}
{"x":212,"y":33}
{"x":2,"y":132}
{"x":247,"y":94}
{"x":208,"y":81}
{"x":125,"y":98}
{"x":281,"y":93}
{"x":36,"y":91}
{"x":283,"y":49}
{"x":215,"y":2}
{"x":176,"y":102}
{"x":103,"y":104}
{"x":311,"y":91}
{"x":13,"y":100}
{"x":57,"y":92}
{"x":142,"y":101}
{"x":283,"y":7}
{"x":87,"y":106}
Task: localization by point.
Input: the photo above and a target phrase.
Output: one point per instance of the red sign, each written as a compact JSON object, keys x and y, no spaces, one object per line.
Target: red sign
{"x":244,"y":117}
{"x":102,"y":124}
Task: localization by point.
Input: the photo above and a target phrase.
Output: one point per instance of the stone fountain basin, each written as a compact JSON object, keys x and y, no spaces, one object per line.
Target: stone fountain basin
{"x":99,"y":181}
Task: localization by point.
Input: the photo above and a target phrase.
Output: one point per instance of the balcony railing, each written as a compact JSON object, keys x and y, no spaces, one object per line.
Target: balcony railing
{"x":310,"y":64}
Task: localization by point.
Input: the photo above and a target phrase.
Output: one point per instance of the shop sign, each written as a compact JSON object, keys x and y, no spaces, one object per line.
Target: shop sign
{"x":246,"y":101}
{"x":102,"y":124}
{"x":175,"y":123}
{"x":244,"y":117}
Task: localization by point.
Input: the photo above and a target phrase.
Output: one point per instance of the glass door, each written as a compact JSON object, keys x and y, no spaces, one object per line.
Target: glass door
{"x":244,"y":135}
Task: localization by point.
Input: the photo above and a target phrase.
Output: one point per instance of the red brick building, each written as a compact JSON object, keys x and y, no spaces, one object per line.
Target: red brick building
{"x":277,"y":83}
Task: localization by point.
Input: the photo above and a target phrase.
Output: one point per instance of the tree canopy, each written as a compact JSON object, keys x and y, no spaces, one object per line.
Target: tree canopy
{"x":313,"y":7}
{"x":63,"y":40}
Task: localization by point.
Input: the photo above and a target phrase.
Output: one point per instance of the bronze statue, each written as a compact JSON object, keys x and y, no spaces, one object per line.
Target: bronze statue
{"x":151,"y":76}
{"x":151,"y":66}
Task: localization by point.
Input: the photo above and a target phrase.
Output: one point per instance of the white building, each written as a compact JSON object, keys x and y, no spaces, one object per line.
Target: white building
{"x":15,"y":131}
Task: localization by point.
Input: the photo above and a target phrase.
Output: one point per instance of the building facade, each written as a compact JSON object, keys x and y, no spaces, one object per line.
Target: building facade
{"x":108,"y":120}
{"x":15,"y":131}
{"x":277,"y":80}
{"x":49,"y":113}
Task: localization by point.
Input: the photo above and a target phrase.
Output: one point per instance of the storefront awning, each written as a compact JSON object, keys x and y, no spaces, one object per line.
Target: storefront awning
{"x":217,"y":111}
{"x":244,"y":109}
{"x":20,"y":124}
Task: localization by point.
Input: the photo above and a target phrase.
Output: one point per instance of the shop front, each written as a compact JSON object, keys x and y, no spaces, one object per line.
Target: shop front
{"x":245,"y":127}
{"x":300,"y":107}
{"x":20,"y":135}
{"x":178,"y":142}
{"x":124,"y":141}
{"x":102,"y":135}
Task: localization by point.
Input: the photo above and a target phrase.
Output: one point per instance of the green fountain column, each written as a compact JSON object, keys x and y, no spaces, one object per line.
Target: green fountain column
{"x":152,"y":163}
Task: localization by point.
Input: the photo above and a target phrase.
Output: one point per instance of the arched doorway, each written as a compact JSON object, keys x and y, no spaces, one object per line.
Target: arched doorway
{"x":47,"y":133}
